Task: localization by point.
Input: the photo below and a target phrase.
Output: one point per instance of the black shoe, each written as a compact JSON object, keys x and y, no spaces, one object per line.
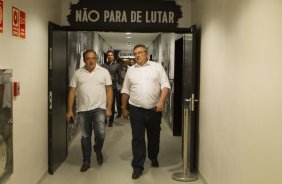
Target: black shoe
{"x":136,"y":174}
{"x":118,"y":116}
{"x":110,"y":124}
{"x":99,"y":157}
{"x":155,"y":163}
{"x":85,"y":166}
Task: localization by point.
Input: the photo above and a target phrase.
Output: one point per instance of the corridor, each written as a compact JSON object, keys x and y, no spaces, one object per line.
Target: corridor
{"x":116,"y":168}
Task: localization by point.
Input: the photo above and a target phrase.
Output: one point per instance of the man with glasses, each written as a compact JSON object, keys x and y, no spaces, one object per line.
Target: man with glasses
{"x":92,"y":85}
{"x":146,"y":86}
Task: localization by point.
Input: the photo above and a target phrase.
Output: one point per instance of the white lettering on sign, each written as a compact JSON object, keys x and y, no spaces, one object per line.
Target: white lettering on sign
{"x":136,"y":16}
{"x":22,"y":20}
{"x":125,"y":54}
{"x":159,"y":17}
{"x":115,"y":16}
{"x":85,"y":16}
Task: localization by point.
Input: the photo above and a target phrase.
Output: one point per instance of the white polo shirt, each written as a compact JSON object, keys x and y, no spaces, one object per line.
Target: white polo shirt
{"x":90,"y":88}
{"x":144,"y":84}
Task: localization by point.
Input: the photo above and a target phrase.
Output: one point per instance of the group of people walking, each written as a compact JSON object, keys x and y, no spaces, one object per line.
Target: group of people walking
{"x":140,"y":91}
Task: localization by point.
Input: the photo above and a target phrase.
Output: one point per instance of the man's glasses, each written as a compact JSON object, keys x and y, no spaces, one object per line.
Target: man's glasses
{"x":138,"y":53}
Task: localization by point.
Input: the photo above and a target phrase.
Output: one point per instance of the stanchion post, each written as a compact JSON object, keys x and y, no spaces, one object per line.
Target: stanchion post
{"x":185,"y":175}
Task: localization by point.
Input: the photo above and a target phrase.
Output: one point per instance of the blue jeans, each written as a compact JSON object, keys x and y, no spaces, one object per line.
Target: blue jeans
{"x":144,"y":120}
{"x":88,"y":120}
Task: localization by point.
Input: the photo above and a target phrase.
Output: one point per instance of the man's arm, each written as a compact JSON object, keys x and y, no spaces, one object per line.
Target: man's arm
{"x":124,"y":100}
{"x":72,"y":93}
{"x":109,"y":93}
{"x":161,"y":102}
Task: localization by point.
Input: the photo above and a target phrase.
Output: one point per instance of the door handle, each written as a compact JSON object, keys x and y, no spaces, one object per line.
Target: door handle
{"x":187,"y":103}
{"x":193,"y":100}
{"x":187,"y":100}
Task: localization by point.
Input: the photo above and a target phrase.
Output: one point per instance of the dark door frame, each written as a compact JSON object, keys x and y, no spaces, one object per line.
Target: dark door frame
{"x":57,"y":125}
{"x":52,"y":26}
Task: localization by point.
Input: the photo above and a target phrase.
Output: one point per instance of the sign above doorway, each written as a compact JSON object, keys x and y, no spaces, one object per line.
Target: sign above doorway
{"x":140,"y":15}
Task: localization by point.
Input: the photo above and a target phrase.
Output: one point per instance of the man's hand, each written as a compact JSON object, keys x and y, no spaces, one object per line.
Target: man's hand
{"x":125,"y":113}
{"x":108,"y":113}
{"x":69,"y":117}
{"x":159,"y":106}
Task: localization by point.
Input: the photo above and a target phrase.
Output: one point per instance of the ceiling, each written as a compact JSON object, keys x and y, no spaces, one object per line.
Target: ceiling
{"x":119,"y":40}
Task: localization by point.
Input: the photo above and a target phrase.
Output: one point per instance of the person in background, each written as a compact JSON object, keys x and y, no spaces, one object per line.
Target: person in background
{"x":114,"y":70}
{"x":132,"y":62}
{"x":92,"y":85}
{"x":146,"y":86}
{"x":123,"y":68}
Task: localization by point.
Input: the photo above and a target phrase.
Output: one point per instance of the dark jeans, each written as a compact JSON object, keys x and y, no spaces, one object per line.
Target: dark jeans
{"x":118,"y":99}
{"x":144,"y":120}
{"x":88,"y":120}
{"x":115,"y":94}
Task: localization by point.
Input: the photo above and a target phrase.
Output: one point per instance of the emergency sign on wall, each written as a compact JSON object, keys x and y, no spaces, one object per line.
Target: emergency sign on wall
{"x":1,"y":16}
{"x":15,"y":22}
{"x":18,"y":23}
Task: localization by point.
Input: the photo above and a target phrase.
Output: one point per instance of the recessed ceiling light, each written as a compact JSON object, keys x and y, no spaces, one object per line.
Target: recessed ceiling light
{"x":128,"y":37}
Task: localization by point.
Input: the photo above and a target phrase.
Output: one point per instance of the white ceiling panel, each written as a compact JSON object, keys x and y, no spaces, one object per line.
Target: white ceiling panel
{"x":126,"y":42}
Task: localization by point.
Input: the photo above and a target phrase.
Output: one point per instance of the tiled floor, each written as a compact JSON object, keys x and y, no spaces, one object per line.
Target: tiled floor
{"x":117,"y":157}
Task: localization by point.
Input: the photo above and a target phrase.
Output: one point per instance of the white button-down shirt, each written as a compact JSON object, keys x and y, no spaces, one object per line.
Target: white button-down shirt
{"x":90,"y":88}
{"x":144,"y":84}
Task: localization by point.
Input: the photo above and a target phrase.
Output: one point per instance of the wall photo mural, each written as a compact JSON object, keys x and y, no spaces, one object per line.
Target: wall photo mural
{"x":6,"y":124}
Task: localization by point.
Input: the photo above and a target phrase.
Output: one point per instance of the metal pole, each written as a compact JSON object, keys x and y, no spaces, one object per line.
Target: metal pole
{"x":185,"y":175}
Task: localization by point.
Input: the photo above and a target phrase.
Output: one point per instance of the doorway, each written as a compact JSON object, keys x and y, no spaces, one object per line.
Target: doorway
{"x":78,"y":42}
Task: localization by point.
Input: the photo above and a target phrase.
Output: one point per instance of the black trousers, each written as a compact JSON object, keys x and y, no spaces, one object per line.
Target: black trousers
{"x":149,"y":121}
{"x":115,"y":93}
{"x":118,"y":99}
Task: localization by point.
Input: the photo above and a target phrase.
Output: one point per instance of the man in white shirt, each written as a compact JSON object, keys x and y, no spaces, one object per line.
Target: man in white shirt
{"x":146,"y":86}
{"x":92,"y":85}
